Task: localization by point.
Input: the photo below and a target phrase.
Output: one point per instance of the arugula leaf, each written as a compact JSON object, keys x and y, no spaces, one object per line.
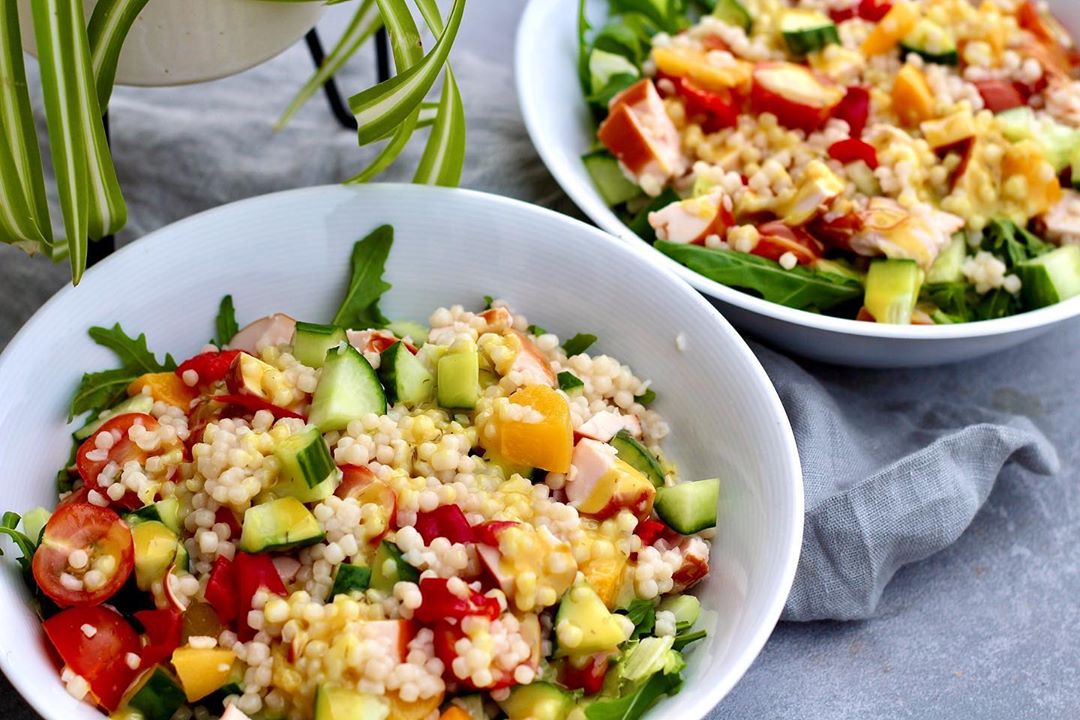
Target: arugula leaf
{"x":8,"y":525}
{"x":569,"y":381}
{"x":488,"y":301}
{"x":133,"y":353}
{"x":578,"y":344}
{"x":668,"y":15}
{"x":799,"y":288}
{"x":620,"y":38}
{"x":997,"y":304}
{"x":360,"y":308}
{"x":684,"y":639}
{"x":635,"y":703}
{"x":536,"y":330}
{"x":646,"y":397}
{"x":226,"y":322}
{"x":958,"y":302}
{"x":643,"y":614}
{"x":99,"y":390}
{"x":1005,"y":238}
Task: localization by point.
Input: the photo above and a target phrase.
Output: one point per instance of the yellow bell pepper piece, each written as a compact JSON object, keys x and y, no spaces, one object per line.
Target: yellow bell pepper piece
{"x":419,"y":709}
{"x":544,"y":438}
{"x":202,"y":670}
{"x":166,"y":387}
{"x":888,"y":33}
{"x":912,"y":100}
{"x":1029,"y":182}
{"x":694,"y":65}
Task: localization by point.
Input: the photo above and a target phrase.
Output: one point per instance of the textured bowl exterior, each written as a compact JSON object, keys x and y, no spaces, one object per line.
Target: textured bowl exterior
{"x":175,"y":42}
{"x":560,"y":127}
{"x":289,"y":252}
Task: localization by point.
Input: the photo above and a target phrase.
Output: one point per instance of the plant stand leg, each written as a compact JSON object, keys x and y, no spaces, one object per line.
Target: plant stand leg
{"x":333,"y":95}
{"x":98,"y":250}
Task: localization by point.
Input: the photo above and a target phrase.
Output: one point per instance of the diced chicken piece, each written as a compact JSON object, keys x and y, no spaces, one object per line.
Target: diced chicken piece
{"x":819,"y":186}
{"x":392,"y":636}
{"x":532,"y":364}
{"x":695,"y":565}
{"x":1062,"y":221}
{"x":276,"y":329}
{"x":640,"y":134}
{"x":371,"y":341}
{"x":287,"y":567}
{"x":603,"y":425}
{"x":600,"y":484}
{"x":694,"y":219}
{"x":498,"y":320}
{"x":231,"y":713}
{"x":919,"y":233}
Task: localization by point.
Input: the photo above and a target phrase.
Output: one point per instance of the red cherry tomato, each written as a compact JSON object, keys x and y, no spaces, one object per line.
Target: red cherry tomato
{"x":164,"y":632}
{"x":776,"y":238}
{"x":99,"y":658}
{"x":209,"y":366}
{"x":446,"y":521}
{"x":852,"y":150}
{"x":854,"y":109}
{"x":106,"y":541}
{"x":252,"y":404}
{"x":589,"y":677}
{"x":90,"y":461}
{"x":439,"y":603}
{"x":999,"y":95}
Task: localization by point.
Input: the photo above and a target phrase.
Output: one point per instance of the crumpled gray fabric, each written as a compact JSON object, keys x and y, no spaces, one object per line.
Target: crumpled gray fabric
{"x":888,"y":482}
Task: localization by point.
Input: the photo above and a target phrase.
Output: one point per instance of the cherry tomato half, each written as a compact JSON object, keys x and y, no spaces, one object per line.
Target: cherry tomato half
{"x":94,"y":643}
{"x":102,"y":537}
{"x":90,"y":460}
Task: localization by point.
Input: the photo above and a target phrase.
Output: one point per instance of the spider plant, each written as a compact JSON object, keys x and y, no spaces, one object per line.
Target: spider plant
{"x":78,"y":61}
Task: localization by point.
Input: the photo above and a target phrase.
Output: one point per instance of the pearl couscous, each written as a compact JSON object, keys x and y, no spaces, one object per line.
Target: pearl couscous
{"x":464,"y":519}
{"x":907,"y":161}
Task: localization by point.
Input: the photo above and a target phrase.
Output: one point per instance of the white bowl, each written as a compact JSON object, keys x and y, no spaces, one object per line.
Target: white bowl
{"x":561,"y":128}
{"x":174,"y":42}
{"x":289,"y":252}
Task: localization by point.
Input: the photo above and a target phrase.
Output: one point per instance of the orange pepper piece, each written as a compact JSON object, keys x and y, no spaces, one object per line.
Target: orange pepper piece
{"x":547,"y":443}
{"x":166,"y":387}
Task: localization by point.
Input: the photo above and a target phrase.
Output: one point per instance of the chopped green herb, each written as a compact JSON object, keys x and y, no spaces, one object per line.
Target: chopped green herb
{"x":488,"y":301}
{"x":569,"y":381}
{"x":360,"y":308}
{"x":646,"y":398}
{"x":536,"y":330}
{"x":578,"y":344}
{"x":226,"y":322}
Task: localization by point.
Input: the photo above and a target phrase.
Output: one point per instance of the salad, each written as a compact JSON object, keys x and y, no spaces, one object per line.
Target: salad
{"x":368,"y":519}
{"x":894,"y":161}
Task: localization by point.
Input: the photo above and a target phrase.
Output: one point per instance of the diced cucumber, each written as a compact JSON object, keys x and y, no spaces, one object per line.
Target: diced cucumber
{"x":637,"y":456}
{"x":348,"y":390}
{"x":841,"y":268}
{"x":415,"y":332}
{"x":892,"y":288}
{"x":335,"y":703}
{"x":312,"y":342}
{"x":138,"y":404}
{"x":605,"y":66}
{"x":279,"y":525}
{"x":34,"y":521}
{"x":806,"y":31}
{"x":165,"y":511}
{"x":155,"y":552}
{"x":459,"y":377}
{"x":158,"y":695}
{"x":183,"y":559}
{"x":685,"y":608}
{"x":537,"y":701}
{"x":305,"y":457}
{"x":404,"y":377}
{"x":1051,"y":278}
{"x":1060,"y":143}
{"x":350,"y":578}
{"x":608,"y":177}
{"x":948,"y":265}
{"x":689,"y":507}
{"x":569,"y":382}
{"x":298,"y":488}
{"x":1074,"y":166}
{"x":389,"y":567}
{"x":585,"y":611}
{"x":733,"y":13}
{"x":931,"y":42}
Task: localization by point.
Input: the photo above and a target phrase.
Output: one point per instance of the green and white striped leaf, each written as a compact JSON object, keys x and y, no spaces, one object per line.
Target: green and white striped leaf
{"x":407,"y":48}
{"x":444,"y":154}
{"x":363,"y":25}
{"x":381,"y":108}
{"x":90,"y":198}
{"x":24,"y":208}
{"x":108,"y":28}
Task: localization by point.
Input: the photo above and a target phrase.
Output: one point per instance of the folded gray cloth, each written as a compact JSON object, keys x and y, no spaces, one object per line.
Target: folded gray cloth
{"x":888,"y":482}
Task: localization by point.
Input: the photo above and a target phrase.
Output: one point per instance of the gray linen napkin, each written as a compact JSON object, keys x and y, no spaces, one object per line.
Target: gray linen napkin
{"x":888,"y":482}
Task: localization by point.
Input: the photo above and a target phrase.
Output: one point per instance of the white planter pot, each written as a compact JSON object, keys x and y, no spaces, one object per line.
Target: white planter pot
{"x":174,"y":42}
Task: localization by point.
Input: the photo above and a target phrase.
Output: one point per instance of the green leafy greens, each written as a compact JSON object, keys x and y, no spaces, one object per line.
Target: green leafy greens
{"x":360,"y":308}
{"x":578,"y":344}
{"x":103,"y":389}
{"x":226,"y":322}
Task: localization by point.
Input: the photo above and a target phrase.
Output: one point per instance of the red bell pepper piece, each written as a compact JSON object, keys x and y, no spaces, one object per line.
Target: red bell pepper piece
{"x":487,"y":533}
{"x":440,"y":604}
{"x":221,"y":590}
{"x":228,"y":517}
{"x":840,"y":14}
{"x":589,"y":677}
{"x":255,"y":404}
{"x":650,"y":531}
{"x":854,"y":109}
{"x":210,"y":366}
{"x":852,"y":150}
{"x":164,"y":631}
{"x":874,"y":10}
{"x":719,"y":112}
{"x":999,"y":95}
{"x":447,"y":521}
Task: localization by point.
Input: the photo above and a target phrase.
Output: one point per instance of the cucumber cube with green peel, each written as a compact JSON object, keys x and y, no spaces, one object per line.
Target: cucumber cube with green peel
{"x":1051,"y":278}
{"x":892,"y":288}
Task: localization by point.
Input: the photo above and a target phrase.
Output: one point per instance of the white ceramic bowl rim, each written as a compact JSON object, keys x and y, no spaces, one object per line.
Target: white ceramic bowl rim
{"x":704,"y":698}
{"x":557,"y":163}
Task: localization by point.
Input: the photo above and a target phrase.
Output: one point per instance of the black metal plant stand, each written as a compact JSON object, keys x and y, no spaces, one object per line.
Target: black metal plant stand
{"x":101,"y":249}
